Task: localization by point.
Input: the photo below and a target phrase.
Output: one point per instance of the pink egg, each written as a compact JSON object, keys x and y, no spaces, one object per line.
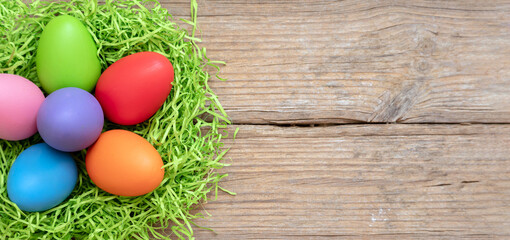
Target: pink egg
{"x":20,"y":100}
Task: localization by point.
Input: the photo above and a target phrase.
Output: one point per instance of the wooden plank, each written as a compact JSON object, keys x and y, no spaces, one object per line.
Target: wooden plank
{"x":369,"y":181}
{"x":313,"y":62}
{"x":307,"y":61}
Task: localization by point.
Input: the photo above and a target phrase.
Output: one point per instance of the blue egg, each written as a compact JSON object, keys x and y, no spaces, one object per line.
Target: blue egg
{"x":41,"y":178}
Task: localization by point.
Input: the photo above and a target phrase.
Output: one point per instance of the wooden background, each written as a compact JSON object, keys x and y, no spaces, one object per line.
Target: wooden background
{"x":361,"y":119}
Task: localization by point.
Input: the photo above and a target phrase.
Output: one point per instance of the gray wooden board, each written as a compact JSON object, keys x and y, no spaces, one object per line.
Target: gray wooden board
{"x":332,"y":62}
{"x":371,"y":181}
{"x":359,"y":61}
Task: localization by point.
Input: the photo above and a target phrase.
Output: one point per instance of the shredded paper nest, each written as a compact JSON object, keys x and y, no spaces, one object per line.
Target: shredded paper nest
{"x":191,"y":147}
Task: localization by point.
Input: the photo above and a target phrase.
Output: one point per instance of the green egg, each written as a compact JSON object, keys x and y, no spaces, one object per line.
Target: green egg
{"x":67,"y":56}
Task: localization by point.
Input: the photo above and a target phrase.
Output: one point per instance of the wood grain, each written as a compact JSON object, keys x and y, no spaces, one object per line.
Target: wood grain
{"x":307,"y":62}
{"x":365,"y":181}
{"x":333,"y":62}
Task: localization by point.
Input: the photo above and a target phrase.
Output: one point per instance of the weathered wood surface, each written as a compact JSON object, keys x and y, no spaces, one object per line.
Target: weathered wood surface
{"x":329,"y":62}
{"x":371,"y":181}
{"x":348,"y":61}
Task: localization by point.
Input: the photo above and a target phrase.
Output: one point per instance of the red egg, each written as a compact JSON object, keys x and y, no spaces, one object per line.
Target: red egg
{"x":133,"y":88}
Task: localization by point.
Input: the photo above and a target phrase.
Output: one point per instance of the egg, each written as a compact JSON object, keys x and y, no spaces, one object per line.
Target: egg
{"x":133,"y":88}
{"x":70,"y":119}
{"x":41,"y":178}
{"x":125,"y":164}
{"x":20,"y":100}
{"x":67,"y":56}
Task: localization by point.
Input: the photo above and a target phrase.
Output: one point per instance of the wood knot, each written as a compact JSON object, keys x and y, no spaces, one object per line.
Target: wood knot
{"x":426,"y":46}
{"x":421,"y":65}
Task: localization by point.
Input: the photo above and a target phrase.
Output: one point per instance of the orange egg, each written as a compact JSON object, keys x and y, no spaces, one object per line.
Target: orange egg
{"x":125,"y":164}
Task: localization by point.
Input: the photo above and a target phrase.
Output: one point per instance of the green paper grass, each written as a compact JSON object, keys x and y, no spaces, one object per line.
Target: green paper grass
{"x":191,"y":147}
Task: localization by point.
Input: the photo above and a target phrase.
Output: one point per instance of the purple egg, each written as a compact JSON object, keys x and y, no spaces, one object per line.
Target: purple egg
{"x":70,"y":119}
